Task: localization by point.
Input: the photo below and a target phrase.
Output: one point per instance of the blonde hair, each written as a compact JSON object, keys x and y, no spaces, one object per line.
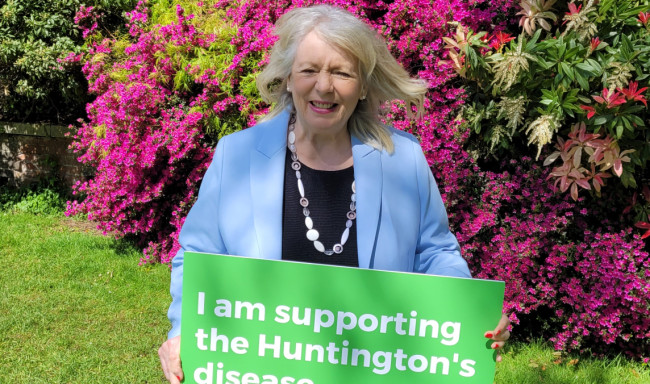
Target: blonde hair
{"x":382,"y":77}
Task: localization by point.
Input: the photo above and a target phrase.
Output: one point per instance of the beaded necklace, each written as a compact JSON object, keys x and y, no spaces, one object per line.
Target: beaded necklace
{"x":312,"y":234}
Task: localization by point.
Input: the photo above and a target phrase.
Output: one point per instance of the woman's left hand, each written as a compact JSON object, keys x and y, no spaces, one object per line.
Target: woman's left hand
{"x":500,"y":335}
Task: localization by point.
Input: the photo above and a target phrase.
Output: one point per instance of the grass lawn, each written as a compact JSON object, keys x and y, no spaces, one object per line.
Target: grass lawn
{"x":76,"y":308}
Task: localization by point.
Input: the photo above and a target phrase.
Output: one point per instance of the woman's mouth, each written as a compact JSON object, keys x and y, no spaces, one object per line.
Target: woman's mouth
{"x":323,"y":105}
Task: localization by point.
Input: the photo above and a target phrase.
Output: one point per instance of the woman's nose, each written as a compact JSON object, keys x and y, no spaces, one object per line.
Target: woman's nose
{"x":324,"y":82}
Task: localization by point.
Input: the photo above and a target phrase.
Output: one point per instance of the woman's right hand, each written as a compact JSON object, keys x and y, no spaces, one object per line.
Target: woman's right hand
{"x":170,"y":359}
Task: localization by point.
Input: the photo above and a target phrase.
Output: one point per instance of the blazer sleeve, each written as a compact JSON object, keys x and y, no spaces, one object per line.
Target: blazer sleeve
{"x":437,"y":251}
{"x":200,"y":232}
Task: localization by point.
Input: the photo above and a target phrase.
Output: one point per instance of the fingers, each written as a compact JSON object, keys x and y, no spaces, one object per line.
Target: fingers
{"x":499,"y":335}
{"x":497,"y":346}
{"x":170,"y":360}
{"x":503,"y":334}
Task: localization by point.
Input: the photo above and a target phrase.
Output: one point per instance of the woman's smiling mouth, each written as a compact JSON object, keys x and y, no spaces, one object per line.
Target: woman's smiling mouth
{"x":323,"y":105}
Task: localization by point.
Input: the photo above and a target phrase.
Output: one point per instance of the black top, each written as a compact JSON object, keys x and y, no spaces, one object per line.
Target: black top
{"x":329,"y":194}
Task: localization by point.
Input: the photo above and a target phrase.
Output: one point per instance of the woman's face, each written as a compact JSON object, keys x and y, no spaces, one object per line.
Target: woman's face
{"x":325,"y":86}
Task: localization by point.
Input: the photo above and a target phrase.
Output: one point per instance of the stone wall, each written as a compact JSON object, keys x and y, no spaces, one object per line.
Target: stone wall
{"x":33,"y":152}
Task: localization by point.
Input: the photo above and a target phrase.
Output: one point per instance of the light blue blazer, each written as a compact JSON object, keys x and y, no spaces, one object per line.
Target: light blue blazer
{"x":401,"y":220}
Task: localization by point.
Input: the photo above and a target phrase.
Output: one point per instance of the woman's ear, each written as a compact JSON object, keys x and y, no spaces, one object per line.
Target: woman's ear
{"x":364,"y":93}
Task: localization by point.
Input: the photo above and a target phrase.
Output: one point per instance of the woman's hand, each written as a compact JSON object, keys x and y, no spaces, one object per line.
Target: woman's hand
{"x":500,"y":335}
{"x":170,"y":359}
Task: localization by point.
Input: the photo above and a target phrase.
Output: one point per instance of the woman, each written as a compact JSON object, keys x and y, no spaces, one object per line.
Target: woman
{"x":321,"y":179}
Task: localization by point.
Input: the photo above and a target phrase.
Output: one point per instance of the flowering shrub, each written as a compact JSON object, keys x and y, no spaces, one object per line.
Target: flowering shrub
{"x":164,"y":96}
{"x":551,"y":79}
{"x":585,"y":70}
{"x":185,"y":77}
{"x":591,"y":283}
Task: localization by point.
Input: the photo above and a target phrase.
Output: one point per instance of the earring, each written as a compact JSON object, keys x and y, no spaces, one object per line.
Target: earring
{"x":363,"y":97}
{"x":288,"y":88}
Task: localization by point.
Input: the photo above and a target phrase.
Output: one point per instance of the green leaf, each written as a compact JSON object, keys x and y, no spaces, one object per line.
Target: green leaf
{"x":530,"y":46}
{"x":567,"y":69}
{"x":585,"y":67}
{"x":584,"y":99}
{"x":571,"y":53}
{"x":543,"y":63}
{"x":584,"y":84}
{"x":619,"y":131}
{"x":627,"y":48}
{"x":636,"y":120}
{"x":600,"y":120}
{"x":594,"y":64}
{"x":604,"y":6}
{"x":626,"y":123}
{"x":548,"y":94}
{"x":634,"y":109}
{"x":628,"y":180}
{"x":631,"y":12}
{"x":569,"y":111}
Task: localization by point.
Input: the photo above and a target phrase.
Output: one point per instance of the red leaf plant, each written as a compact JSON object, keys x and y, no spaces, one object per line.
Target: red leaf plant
{"x":602,"y":153}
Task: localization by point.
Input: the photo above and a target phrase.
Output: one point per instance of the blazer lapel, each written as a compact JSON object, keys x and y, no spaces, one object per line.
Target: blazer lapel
{"x":368,"y":180}
{"x":267,"y":186}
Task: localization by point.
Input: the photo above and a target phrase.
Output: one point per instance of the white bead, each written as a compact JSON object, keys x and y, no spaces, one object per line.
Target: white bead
{"x":353,"y":197}
{"x":345,"y":235}
{"x":348,"y":223}
{"x":312,"y":235}
{"x":319,"y":246}
{"x":309,"y":223}
{"x":354,"y":188}
{"x":301,"y":188}
{"x":292,"y":137}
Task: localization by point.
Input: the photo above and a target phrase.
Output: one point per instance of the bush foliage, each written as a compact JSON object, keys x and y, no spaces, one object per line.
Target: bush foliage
{"x":44,"y":198}
{"x":184,"y":76}
{"x":34,"y":37}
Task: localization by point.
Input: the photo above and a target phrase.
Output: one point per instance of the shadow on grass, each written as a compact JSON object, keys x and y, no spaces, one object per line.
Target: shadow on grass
{"x":126,"y":247}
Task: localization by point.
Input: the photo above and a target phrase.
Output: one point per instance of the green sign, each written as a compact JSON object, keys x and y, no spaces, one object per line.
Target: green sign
{"x":253,"y":321}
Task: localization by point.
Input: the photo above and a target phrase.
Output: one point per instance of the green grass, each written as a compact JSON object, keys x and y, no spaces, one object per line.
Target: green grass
{"x":536,"y":362}
{"x":76,"y":308}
